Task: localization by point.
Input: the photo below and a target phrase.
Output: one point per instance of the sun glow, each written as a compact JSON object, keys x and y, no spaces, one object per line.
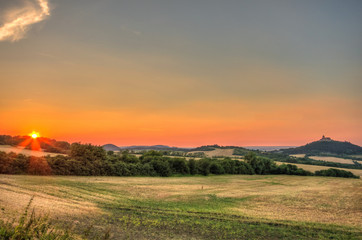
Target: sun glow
{"x":34,"y":135}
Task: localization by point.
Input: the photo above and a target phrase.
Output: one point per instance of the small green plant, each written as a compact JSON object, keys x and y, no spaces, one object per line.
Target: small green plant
{"x":31,"y":226}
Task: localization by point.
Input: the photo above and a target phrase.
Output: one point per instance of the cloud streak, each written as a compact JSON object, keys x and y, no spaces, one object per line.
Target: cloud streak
{"x":20,"y":20}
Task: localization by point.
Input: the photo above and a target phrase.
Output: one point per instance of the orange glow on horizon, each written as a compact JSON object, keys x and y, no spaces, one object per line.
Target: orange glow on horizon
{"x":201,"y":123}
{"x":32,"y":140}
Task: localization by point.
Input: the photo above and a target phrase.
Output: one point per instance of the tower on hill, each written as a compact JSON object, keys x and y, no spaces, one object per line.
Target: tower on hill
{"x":325,"y":139}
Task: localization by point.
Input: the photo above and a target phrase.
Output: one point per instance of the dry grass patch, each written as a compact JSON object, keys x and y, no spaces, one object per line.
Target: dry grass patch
{"x":219,"y":152}
{"x":297,"y":155}
{"x":14,"y":197}
{"x":330,"y":201}
{"x":332,"y":159}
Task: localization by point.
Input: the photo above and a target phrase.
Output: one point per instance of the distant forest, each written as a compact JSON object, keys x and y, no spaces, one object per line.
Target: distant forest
{"x":89,"y":160}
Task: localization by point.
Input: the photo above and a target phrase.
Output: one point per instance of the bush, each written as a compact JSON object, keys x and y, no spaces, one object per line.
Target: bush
{"x":203,"y":166}
{"x":39,"y":166}
{"x":179,"y":166}
{"x":243,"y":168}
{"x":121,"y":169}
{"x":161,"y":167}
{"x":260,"y":165}
{"x":332,"y":172}
{"x":291,"y":169}
{"x":216,"y":168}
{"x":192,"y":166}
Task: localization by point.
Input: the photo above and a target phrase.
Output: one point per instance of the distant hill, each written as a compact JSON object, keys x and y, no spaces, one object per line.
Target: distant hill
{"x":213,"y":147}
{"x":112,"y":147}
{"x":326,"y":145}
{"x":216,"y":150}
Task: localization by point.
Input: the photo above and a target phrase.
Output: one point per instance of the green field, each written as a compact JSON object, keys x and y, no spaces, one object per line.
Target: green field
{"x":213,"y":207}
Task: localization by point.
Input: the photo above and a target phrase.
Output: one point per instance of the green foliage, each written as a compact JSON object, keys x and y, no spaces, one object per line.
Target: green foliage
{"x":240,"y":151}
{"x":206,"y":148}
{"x":179,"y":166}
{"x":192,"y":166}
{"x":290,"y":169}
{"x":161,"y":167}
{"x":203,"y":166}
{"x":332,"y":172}
{"x":11,"y":163}
{"x":260,"y":165}
{"x":129,"y":158}
{"x":196,"y":154}
{"x":216,"y":168}
{"x":152,"y":153}
{"x":38,"y":166}
{"x":91,"y":158}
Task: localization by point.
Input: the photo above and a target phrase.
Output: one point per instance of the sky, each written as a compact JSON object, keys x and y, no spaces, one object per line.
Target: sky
{"x":182,"y":73}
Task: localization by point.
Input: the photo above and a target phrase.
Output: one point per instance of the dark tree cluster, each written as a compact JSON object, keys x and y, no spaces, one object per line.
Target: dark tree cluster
{"x":12,"y":141}
{"x":332,"y":172}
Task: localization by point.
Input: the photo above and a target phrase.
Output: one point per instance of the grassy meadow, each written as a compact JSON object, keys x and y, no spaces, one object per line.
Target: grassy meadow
{"x":212,"y":207}
{"x":332,"y":159}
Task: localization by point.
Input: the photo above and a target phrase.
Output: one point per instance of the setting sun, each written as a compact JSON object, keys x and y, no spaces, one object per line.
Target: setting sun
{"x":34,"y":135}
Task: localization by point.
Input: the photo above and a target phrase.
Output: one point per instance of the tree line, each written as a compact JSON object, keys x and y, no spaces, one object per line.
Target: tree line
{"x":89,"y":160}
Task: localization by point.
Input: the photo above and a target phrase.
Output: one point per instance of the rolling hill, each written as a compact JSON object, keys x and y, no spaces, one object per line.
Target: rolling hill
{"x":326,"y":145}
{"x":111,"y":147}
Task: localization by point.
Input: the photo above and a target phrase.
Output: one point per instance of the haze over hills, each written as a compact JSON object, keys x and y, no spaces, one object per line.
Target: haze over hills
{"x":325,"y":145}
{"x":112,"y":147}
{"x":268,"y":148}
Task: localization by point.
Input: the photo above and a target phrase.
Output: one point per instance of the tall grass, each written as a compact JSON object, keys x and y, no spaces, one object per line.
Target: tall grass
{"x":30,"y":226}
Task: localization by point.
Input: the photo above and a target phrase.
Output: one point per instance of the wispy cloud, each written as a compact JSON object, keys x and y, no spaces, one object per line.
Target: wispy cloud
{"x":134,"y":32}
{"x":18,"y":21}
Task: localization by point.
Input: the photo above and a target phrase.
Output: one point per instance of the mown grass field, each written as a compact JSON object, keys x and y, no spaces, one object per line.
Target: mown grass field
{"x":332,"y":159}
{"x":213,"y":207}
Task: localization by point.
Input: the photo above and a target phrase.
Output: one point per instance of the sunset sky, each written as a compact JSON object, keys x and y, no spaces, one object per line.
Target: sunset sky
{"x":182,"y":73}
